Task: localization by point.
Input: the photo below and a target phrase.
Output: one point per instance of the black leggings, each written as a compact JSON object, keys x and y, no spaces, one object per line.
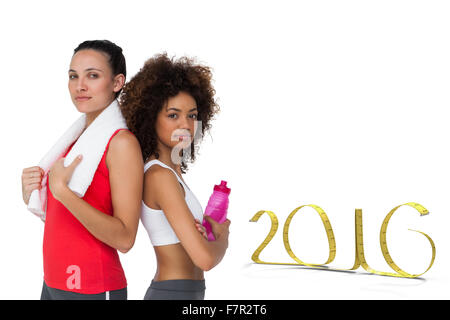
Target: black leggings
{"x":184,"y":289}
{"x":57,"y":294}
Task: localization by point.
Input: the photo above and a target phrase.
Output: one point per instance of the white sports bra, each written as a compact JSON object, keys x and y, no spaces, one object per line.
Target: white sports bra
{"x":155,"y":221}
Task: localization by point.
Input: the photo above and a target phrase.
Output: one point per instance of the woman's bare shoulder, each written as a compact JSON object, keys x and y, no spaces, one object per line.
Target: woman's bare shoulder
{"x":125,"y":151}
{"x":158,"y":175}
{"x":161,"y":184}
{"x":124,"y":140}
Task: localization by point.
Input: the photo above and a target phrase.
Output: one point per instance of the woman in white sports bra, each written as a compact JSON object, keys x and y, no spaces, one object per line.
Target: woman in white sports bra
{"x":164,"y":104}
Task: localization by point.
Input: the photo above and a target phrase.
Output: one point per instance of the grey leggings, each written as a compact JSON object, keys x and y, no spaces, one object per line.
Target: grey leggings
{"x":184,"y":289}
{"x":57,"y":294}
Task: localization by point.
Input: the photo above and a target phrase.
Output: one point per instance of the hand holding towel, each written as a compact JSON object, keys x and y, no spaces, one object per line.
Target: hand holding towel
{"x":91,"y":145}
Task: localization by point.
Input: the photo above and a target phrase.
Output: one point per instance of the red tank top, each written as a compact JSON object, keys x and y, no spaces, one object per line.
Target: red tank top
{"x":74,"y":260}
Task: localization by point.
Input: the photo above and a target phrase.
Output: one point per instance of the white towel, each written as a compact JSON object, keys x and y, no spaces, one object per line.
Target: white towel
{"x":91,"y":145}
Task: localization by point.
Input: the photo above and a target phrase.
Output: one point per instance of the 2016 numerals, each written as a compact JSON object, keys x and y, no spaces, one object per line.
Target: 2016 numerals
{"x":360,"y":259}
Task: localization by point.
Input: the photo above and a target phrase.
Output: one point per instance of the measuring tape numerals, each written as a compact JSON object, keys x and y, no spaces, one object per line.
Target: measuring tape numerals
{"x":383,"y":242}
{"x":273,"y":230}
{"x":328,"y":229}
{"x":360,"y":259}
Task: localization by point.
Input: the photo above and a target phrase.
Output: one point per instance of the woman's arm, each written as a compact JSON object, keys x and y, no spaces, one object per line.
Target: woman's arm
{"x":169,"y":197}
{"x":125,"y":165}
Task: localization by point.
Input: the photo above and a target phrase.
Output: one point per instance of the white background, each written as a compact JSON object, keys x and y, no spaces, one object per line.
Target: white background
{"x":342,"y":104}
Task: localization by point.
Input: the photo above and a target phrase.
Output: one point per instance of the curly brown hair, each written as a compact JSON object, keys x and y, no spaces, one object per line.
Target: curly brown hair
{"x":147,"y":92}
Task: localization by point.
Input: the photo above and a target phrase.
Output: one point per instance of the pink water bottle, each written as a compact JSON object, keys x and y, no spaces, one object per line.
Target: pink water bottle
{"x":217,"y":207}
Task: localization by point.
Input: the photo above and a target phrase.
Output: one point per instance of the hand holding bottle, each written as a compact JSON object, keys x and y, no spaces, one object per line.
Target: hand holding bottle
{"x":217,"y":207}
{"x":219,"y":230}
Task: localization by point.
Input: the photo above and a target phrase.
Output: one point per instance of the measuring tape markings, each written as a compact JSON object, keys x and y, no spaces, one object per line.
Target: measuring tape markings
{"x":360,"y":259}
{"x":383,"y":242}
{"x":328,"y":229}
{"x":273,"y":230}
{"x":360,"y":247}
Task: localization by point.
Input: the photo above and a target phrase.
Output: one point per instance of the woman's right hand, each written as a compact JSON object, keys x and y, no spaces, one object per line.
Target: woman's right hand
{"x":31,"y":180}
{"x":220,"y":230}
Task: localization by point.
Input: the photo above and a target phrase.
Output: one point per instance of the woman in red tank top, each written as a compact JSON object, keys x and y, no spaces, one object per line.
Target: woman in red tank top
{"x":82,"y":235}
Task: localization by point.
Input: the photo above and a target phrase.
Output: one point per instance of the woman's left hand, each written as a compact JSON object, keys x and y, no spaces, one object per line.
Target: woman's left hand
{"x":201,"y":229}
{"x":59,"y":176}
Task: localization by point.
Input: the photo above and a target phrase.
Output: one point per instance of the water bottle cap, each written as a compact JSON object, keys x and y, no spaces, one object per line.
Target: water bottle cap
{"x":222,"y":187}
